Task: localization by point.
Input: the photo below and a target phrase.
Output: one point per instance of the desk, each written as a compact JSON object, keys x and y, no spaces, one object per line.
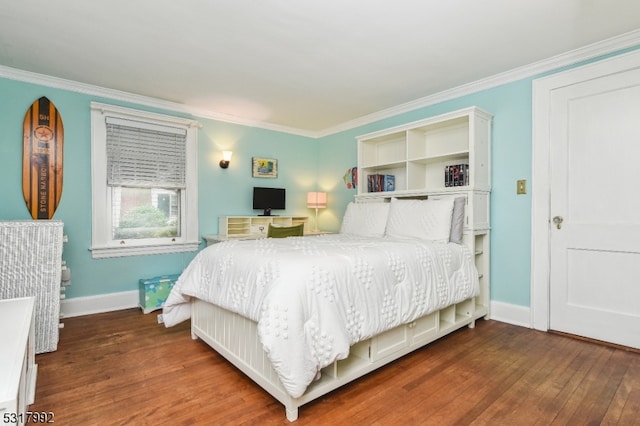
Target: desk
{"x":214,"y":239}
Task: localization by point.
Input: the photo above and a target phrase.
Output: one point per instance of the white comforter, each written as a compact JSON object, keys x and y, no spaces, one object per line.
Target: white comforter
{"x":313,"y":297}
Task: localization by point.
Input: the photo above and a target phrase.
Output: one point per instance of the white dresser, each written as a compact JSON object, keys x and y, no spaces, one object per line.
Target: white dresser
{"x":18,"y":369}
{"x":31,"y":265}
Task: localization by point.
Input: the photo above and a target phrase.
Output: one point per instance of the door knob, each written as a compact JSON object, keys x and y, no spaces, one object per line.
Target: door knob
{"x":558,"y":221}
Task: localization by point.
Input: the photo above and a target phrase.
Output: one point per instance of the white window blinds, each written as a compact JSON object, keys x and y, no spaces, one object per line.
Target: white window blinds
{"x":144,"y":154}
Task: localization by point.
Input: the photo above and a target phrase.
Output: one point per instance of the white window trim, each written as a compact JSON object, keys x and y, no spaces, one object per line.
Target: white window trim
{"x":102,"y":245}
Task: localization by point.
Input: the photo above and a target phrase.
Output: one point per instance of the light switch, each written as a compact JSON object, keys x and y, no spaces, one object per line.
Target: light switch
{"x":521,"y":187}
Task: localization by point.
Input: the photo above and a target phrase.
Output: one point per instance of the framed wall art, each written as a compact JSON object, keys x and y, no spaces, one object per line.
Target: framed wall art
{"x":264,"y":167}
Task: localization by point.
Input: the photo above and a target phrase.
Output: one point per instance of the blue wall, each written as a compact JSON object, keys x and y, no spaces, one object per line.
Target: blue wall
{"x":511,"y":160}
{"x":511,"y":155}
{"x":304,"y":164}
{"x":221,"y":192}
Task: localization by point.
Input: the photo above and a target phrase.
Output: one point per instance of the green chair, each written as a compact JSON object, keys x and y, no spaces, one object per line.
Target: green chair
{"x":285,"y":231}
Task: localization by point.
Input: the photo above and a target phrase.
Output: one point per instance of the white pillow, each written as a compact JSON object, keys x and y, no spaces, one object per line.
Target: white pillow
{"x":366,"y":219}
{"x":424,"y":219}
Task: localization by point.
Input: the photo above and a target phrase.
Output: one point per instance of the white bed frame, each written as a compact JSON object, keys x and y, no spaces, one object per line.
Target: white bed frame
{"x":236,"y":338}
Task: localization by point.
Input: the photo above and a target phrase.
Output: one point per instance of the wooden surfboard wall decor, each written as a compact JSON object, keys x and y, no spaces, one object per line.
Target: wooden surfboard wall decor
{"x":42,"y":159}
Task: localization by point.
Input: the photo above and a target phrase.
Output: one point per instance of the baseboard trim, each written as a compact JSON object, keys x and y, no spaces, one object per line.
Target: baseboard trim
{"x":79,"y":306}
{"x":511,"y":314}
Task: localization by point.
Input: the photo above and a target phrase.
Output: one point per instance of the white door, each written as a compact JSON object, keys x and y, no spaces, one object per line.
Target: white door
{"x":594,"y":264}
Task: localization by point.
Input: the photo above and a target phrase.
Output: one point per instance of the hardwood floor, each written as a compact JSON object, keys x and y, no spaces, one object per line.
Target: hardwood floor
{"x":124,"y":368}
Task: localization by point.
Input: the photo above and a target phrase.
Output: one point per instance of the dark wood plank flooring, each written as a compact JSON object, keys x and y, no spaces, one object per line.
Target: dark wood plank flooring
{"x":122,"y":368}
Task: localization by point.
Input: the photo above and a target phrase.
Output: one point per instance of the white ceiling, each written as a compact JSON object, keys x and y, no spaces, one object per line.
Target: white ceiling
{"x":300,"y":64}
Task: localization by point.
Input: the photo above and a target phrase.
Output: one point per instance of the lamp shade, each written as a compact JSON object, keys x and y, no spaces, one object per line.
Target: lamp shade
{"x":226,"y":159}
{"x":316,"y":200}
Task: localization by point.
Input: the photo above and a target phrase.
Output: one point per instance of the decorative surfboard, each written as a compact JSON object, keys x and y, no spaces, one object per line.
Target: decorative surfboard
{"x":42,"y":159}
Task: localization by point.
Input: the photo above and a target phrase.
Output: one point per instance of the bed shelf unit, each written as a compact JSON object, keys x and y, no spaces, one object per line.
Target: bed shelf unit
{"x":416,"y":154}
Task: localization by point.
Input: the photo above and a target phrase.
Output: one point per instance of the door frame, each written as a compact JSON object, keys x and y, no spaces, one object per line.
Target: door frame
{"x":540,"y":181}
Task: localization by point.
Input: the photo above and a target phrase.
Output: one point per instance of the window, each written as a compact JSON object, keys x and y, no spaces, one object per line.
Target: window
{"x":144,"y":182}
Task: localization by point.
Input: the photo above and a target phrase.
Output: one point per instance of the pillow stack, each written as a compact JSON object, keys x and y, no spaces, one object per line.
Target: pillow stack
{"x":439,"y":220}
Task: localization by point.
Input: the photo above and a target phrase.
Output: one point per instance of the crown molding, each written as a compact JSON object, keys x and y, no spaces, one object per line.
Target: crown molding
{"x":92,"y":90}
{"x":601,"y":48}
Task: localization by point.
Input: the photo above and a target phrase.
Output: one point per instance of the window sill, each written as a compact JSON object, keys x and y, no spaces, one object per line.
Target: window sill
{"x":106,"y":252}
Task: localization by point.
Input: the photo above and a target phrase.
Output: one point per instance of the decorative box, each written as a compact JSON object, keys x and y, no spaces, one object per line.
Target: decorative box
{"x":154,"y":291}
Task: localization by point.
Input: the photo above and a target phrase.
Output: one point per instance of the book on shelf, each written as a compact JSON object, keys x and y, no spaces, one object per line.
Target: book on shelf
{"x":456,"y":175}
{"x":381,"y":183}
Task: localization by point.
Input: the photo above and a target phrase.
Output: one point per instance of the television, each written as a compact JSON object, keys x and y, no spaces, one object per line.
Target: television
{"x":267,"y":199}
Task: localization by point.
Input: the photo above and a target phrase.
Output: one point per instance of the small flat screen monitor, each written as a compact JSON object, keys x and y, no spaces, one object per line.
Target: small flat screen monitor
{"x":267,"y":199}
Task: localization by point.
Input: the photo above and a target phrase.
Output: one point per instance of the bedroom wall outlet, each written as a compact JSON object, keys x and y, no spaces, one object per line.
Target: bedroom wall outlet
{"x":521,"y":187}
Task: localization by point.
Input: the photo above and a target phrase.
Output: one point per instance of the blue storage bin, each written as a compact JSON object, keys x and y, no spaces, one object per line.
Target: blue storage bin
{"x":154,"y":291}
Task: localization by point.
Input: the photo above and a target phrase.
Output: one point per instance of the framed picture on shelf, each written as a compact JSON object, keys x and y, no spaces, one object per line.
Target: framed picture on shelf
{"x":264,"y":167}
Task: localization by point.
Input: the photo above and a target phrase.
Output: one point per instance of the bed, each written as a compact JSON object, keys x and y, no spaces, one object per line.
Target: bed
{"x":302,"y":316}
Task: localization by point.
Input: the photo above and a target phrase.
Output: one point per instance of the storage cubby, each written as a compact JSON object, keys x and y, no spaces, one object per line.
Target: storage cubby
{"x":447,"y":319}
{"x":384,"y":150}
{"x":481,"y":256}
{"x":358,"y":355}
{"x":465,"y":310}
{"x":423,"y":329}
{"x":238,"y":226}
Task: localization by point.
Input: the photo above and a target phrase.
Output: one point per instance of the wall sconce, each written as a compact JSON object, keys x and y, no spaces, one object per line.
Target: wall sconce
{"x":316,"y":200}
{"x":226,"y":158}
